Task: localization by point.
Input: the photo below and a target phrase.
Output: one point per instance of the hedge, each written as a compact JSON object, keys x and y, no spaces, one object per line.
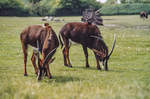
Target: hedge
{"x":125,"y":9}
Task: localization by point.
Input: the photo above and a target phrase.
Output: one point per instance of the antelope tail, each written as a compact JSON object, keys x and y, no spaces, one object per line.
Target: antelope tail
{"x":60,"y":41}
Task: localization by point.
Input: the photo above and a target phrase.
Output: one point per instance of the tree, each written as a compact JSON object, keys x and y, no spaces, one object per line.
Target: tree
{"x":75,"y":7}
{"x":34,"y":7}
{"x":34,"y":1}
{"x":123,"y":1}
{"x":69,"y":7}
{"x":11,"y":7}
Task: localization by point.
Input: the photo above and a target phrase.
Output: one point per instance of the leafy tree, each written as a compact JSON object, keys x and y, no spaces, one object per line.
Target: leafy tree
{"x":34,"y":1}
{"x":46,"y":7}
{"x":12,"y":7}
{"x":91,"y":3}
{"x":69,"y":7}
{"x":123,"y":1}
{"x":75,"y":7}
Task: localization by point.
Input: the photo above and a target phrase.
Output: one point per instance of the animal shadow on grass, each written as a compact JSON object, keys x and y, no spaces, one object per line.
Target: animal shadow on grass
{"x":95,"y":68}
{"x":117,"y":71}
{"x":57,"y":79}
{"x":83,"y":67}
{"x":61,"y":79}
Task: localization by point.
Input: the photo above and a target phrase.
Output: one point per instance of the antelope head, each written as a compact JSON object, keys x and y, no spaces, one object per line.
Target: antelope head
{"x":41,"y":64}
{"x":102,"y":51}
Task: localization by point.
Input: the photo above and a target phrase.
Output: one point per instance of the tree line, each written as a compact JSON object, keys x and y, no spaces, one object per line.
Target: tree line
{"x":69,"y":7}
{"x":45,"y":7}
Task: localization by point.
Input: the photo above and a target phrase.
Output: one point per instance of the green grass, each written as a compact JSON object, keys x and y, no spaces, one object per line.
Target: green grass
{"x":129,"y":66}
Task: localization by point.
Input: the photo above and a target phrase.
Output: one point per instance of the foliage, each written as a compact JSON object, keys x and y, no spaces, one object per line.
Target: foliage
{"x":12,"y":7}
{"x":46,"y":7}
{"x":69,"y":7}
{"x":76,"y":7}
{"x":90,"y":3}
{"x":34,"y":1}
{"x":129,"y":66}
{"x":120,"y":9}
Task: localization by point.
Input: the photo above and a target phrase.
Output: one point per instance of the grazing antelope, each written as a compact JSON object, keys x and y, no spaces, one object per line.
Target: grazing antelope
{"x":88,"y":35}
{"x":46,"y":41}
{"x":144,"y":14}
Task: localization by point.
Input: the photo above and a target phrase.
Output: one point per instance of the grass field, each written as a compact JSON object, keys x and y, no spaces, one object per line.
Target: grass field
{"x":129,"y":66}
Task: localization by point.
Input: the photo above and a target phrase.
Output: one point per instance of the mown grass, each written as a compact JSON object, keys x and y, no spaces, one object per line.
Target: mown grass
{"x":129,"y":66}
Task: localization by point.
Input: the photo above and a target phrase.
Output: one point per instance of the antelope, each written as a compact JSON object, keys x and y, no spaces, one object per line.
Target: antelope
{"x":88,"y":35}
{"x":45,"y":41}
{"x":144,"y":14}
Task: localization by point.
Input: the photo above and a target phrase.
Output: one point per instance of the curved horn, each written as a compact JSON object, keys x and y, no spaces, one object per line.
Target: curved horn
{"x":98,"y":11}
{"x":98,"y":38}
{"x":46,"y":58}
{"x":103,"y":42}
{"x":38,"y":48}
{"x":39,"y":66}
{"x":112,"y":46}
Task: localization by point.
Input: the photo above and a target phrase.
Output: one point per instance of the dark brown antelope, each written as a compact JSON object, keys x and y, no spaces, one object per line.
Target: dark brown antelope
{"x":47,"y":45}
{"x":88,"y":35}
{"x":144,"y":14}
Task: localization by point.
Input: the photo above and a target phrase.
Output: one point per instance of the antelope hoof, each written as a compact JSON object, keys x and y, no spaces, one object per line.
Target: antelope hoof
{"x":87,"y":66}
{"x":106,"y":69}
{"x":98,"y":68}
{"x":39,"y":78}
{"x":70,"y":66}
{"x":65,"y":64}
{"x":25,"y":74}
{"x":50,"y":77}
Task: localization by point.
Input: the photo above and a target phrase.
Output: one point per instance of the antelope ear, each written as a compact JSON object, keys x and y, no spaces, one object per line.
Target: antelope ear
{"x":98,"y":11}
